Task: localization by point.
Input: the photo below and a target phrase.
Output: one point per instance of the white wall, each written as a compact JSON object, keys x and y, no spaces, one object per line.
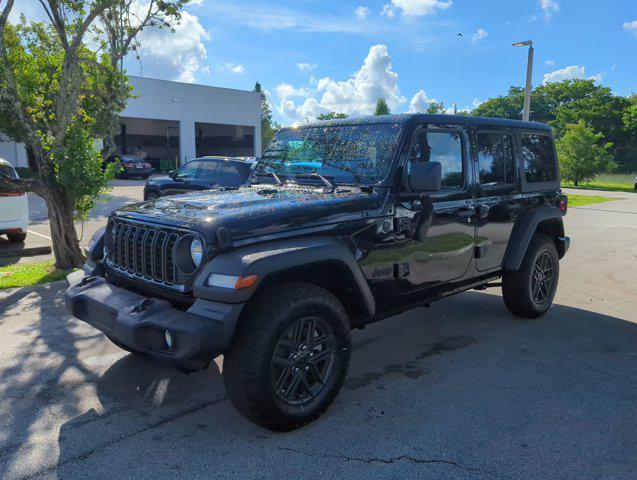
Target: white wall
{"x":188,"y":103}
{"x":13,"y":152}
{"x":182,"y":102}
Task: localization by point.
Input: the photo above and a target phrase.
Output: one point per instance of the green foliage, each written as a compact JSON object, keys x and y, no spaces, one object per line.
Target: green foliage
{"x":381,"y":107}
{"x":581,"y":153}
{"x":568,"y":102}
{"x":268,"y":126}
{"x":331,"y":116}
{"x":435,"y":108}
{"x":80,"y":170}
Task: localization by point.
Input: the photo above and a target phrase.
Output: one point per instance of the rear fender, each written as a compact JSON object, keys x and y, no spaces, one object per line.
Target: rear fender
{"x":545,"y":219}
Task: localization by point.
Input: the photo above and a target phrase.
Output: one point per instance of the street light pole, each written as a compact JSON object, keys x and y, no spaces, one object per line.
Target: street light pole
{"x":529,"y":76}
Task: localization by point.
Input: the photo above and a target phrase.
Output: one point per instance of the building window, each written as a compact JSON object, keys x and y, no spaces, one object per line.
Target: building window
{"x":214,"y":139}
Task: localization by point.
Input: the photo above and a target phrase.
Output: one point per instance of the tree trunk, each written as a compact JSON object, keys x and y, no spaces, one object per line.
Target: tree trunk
{"x":66,"y":246}
{"x":576,"y":182}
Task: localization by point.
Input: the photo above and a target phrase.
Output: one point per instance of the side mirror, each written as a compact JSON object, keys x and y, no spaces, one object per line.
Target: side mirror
{"x":424,"y":176}
{"x":172,"y":174}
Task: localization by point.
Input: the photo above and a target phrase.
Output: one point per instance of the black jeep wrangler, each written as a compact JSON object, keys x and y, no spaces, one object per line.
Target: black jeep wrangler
{"x":343,"y":223}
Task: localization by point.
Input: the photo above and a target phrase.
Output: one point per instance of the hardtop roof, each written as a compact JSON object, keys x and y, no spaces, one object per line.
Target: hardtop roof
{"x":409,"y":118}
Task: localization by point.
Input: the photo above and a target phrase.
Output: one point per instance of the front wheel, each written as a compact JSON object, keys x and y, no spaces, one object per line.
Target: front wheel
{"x":289,"y":356}
{"x":529,"y":292}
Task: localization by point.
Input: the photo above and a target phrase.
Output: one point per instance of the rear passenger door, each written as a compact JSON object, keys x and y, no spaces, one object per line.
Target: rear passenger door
{"x":498,"y":202}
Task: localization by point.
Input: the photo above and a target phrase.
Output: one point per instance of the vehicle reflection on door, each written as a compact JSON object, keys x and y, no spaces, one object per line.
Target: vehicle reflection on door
{"x":434,"y":243}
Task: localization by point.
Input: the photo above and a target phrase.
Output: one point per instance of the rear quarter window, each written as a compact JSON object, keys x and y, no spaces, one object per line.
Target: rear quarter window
{"x":538,"y":156}
{"x":7,"y":171}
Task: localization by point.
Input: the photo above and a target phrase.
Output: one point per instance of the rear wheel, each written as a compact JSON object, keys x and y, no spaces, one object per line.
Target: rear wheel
{"x":529,"y":292}
{"x":289,"y":356}
{"x":17,"y":237}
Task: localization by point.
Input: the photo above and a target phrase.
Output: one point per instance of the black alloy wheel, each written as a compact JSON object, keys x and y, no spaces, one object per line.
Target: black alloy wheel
{"x":542,"y":279}
{"x":302,"y":361}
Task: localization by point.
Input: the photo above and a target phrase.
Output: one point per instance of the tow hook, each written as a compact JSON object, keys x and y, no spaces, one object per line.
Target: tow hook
{"x":143,"y":305}
{"x":87,"y":280}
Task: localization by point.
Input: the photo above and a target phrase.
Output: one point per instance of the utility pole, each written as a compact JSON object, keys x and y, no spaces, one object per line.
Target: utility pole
{"x":529,"y":76}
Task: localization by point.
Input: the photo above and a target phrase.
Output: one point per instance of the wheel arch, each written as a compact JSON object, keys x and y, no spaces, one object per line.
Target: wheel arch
{"x":324,"y":261}
{"x":545,"y":219}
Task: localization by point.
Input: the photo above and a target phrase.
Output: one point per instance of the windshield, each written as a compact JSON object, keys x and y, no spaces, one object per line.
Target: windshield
{"x":359,"y":154}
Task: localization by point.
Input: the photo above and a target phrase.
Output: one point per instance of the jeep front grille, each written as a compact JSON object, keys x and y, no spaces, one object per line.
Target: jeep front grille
{"x":144,"y":252}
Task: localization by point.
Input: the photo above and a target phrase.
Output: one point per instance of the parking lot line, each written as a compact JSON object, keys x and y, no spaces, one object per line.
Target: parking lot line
{"x":38,"y":234}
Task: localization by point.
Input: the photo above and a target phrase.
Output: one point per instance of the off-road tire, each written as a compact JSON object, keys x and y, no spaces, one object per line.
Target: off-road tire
{"x":517,"y":287}
{"x":17,"y":237}
{"x":247,"y":367}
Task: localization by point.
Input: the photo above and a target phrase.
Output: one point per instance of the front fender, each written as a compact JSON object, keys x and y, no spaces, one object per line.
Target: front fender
{"x":278,"y":256}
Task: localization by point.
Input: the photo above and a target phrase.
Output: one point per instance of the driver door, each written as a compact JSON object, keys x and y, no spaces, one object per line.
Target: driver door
{"x":181,"y":183}
{"x":435,"y":234}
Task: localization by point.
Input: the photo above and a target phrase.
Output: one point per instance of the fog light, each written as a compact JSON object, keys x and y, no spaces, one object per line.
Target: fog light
{"x":169,"y":338}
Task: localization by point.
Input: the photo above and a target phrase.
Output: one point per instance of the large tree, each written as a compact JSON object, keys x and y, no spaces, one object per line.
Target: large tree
{"x":61,"y":87}
{"x":563,"y":103}
{"x":268,"y":126}
{"x":582,"y":153}
{"x":381,"y":107}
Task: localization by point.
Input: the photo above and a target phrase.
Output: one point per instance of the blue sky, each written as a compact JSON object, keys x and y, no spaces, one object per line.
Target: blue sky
{"x":314,"y":56}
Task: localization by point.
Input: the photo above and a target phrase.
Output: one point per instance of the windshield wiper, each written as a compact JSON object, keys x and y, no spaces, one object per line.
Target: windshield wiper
{"x":277,"y":179}
{"x":325,"y":181}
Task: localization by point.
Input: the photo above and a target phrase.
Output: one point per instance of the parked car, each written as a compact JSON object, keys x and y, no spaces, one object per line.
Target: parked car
{"x":399,"y":211}
{"x":132,"y":166}
{"x":14,"y":208}
{"x":200,"y":174}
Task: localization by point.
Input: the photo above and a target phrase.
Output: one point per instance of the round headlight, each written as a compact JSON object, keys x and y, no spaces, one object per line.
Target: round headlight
{"x":196,"y":251}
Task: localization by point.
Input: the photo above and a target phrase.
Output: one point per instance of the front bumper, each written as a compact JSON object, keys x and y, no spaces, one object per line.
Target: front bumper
{"x":140,"y":323}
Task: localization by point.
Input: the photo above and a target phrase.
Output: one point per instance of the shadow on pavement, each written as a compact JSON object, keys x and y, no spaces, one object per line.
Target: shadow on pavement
{"x":464,"y":382}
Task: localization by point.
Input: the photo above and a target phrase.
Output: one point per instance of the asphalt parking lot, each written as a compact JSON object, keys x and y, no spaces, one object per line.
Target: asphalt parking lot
{"x":460,"y":390}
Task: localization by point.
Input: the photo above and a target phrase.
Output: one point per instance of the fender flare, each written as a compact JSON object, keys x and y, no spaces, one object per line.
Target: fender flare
{"x":267,"y":258}
{"x":524,"y":230}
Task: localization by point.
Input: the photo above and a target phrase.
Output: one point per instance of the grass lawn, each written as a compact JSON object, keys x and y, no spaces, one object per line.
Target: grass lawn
{"x":617,"y":182}
{"x":25,"y":274}
{"x":579,"y":200}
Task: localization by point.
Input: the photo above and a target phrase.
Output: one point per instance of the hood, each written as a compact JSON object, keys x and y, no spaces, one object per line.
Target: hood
{"x":257,"y":210}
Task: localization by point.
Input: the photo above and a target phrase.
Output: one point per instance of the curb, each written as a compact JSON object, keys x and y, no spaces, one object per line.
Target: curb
{"x":25,"y":252}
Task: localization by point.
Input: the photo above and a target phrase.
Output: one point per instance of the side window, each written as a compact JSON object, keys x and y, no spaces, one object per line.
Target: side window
{"x":227,"y":171}
{"x":539,"y":161}
{"x":207,"y":171}
{"x":495,"y":159}
{"x":444,"y":147}
{"x":189,"y":170}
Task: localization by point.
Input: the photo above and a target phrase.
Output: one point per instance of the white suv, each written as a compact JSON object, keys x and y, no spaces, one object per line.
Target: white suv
{"x":14,"y":208}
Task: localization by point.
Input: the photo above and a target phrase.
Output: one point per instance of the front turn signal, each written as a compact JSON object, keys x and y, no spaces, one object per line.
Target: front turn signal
{"x":231,"y":281}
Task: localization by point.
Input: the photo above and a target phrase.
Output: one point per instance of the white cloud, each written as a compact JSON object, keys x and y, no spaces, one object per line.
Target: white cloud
{"x":550,"y":63}
{"x":234,"y":68}
{"x":304,"y":66}
{"x":355,"y":96}
{"x":285,"y":91}
{"x":479,"y":35}
{"x":415,"y":8}
{"x":419,"y":103}
{"x":176,"y":56}
{"x":572,"y":72}
{"x":631,"y":26}
{"x":550,"y":8}
{"x":361,"y":12}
